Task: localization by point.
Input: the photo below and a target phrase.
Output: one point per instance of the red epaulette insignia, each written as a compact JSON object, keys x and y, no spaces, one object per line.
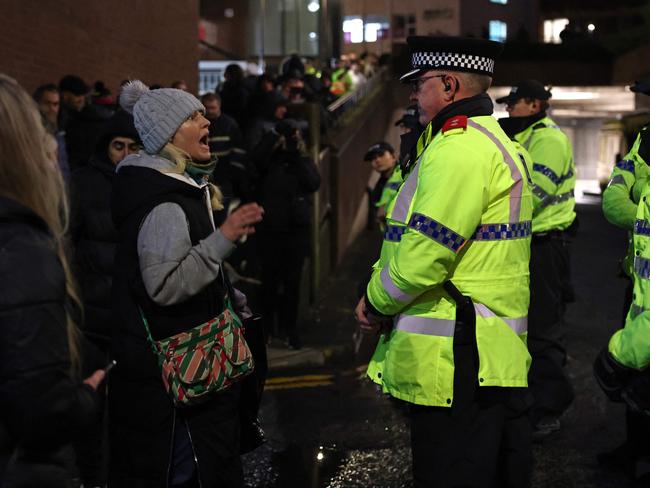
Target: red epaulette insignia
{"x":458,"y":122}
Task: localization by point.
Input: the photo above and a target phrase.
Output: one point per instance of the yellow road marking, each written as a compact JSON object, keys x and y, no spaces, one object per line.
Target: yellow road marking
{"x":292,"y":379}
{"x":299,"y":384}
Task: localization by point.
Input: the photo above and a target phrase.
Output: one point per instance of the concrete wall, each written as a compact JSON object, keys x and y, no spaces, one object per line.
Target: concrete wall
{"x":155,"y":40}
{"x":632,"y":65}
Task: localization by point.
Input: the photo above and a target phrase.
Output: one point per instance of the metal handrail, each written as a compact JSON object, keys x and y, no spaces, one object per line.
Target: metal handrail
{"x":350,"y":99}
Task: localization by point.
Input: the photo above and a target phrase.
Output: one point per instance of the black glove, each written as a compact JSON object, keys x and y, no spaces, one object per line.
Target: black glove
{"x":637,"y":393}
{"x":612,"y":376}
{"x":284,"y":128}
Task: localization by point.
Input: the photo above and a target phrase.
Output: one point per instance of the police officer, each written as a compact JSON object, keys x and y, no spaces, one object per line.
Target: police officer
{"x":553,"y":175}
{"x":622,"y":367}
{"x":620,"y":205}
{"x":382,"y":158}
{"x":450,"y":290}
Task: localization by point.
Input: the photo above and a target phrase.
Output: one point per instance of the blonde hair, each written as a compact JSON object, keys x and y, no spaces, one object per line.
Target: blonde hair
{"x":181,"y":159}
{"x":29,"y":174}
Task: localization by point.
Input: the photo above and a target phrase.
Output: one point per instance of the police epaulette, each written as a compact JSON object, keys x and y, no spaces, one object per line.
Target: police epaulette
{"x":644,"y":145}
{"x":540,"y":125}
{"x":457,"y":122}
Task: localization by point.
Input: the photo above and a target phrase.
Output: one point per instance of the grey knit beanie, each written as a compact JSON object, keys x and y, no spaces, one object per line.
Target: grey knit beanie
{"x":157,"y":114}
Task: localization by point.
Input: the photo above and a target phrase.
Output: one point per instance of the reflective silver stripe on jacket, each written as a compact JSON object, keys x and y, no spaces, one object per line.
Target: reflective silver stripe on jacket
{"x":518,"y":186}
{"x":518,"y":325}
{"x":548,"y":199}
{"x":642,"y":227}
{"x":425,"y":325}
{"x":391,"y":288}
{"x":642,"y":267}
{"x":616,"y":180}
{"x":405,"y":196}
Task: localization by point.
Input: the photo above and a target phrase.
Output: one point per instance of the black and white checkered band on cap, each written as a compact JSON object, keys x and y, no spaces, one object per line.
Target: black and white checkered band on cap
{"x":462,"y":62}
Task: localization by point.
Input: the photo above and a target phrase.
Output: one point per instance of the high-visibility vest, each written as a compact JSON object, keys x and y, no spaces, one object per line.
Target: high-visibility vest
{"x":621,"y":197}
{"x":631,"y":345}
{"x":390,"y":188}
{"x":463,"y":214}
{"x":553,"y":175}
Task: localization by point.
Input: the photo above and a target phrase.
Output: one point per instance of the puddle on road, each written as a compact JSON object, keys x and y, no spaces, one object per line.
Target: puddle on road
{"x":303,"y":467}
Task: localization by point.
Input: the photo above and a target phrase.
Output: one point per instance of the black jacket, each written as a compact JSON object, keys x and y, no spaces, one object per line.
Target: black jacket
{"x":287,"y":178}
{"x":94,"y":238}
{"x":142,"y":415}
{"x":42,"y":408}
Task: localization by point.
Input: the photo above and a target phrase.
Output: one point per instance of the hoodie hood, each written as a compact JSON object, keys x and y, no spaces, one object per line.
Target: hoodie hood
{"x":140,"y":184}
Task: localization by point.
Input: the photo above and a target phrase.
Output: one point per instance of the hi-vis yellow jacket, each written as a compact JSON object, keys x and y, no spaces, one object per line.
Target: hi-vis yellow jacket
{"x":553,"y":175}
{"x":631,"y":345}
{"x":463,"y":214}
{"x":621,"y":197}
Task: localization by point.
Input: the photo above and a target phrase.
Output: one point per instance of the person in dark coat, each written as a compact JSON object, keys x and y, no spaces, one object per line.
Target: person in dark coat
{"x":235,"y":96}
{"x":287,"y":178}
{"x":44,"y":405}
{"x":168,"y":269}
{"x":94,"y":238}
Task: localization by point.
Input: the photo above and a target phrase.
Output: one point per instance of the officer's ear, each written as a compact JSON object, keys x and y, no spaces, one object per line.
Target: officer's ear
{"x":535,"y":107}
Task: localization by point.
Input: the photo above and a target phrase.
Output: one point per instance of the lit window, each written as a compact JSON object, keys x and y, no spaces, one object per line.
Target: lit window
{"x":353,"y":29}
{"x":498,"y":30}
{"x":552,"y":29}
{"x":372,"y":30}
{"x":502,"y":2}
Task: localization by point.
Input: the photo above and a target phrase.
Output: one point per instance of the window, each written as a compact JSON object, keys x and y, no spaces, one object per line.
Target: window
{"x":498,"y":30}
{"x":502,"y":2}
{"x":552,"y":29}
{"x":353,"y":30}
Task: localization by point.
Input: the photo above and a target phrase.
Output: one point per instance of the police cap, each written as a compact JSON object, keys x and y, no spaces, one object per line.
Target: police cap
{"x":451,"y":53}
{"x":641,"y":86}
{"x":526,"y":89}
{"x":377,"y":150}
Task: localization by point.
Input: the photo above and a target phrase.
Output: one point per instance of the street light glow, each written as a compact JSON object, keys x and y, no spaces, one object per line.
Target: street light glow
{"x":591,"y":27}
{"x":313,"y":6}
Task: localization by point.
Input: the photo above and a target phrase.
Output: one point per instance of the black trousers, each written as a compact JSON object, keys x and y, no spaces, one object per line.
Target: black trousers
{"x":550,"y":387}
{"x":482,"y":441}
{"x":283,"y":255}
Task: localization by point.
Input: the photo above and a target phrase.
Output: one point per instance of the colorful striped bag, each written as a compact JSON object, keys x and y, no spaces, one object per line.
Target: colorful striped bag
{"x":203,"y":360}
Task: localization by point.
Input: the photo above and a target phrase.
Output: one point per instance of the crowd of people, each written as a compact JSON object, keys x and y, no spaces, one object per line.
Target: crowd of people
{"x":126,"y":217}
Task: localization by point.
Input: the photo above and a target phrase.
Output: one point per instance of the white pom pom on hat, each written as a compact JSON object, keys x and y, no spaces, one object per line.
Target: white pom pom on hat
{"x":131,"y":93}
{"x":157,"y":114}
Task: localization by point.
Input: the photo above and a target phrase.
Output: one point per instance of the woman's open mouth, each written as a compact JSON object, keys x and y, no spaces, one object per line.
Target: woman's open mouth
{"x":204,"y":142}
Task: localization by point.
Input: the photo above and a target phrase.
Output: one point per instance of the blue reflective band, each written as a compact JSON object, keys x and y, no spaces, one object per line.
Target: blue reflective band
{"x":550,"y":174}
{"x":642,"y":228}
{"x":498,"y":232}
{"x":626,"y":165}
{"x":394,"y":185}
{"x":436,"y":231}
{"x":642,"y":267}
{"x":394,"y":233}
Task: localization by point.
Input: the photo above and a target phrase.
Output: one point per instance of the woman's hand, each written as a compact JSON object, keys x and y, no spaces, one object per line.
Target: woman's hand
{"x":241,"y":222}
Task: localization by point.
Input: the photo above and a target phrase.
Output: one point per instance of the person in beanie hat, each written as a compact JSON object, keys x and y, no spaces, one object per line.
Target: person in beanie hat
{"x":168,"y":267}
{"x":449,"y":294}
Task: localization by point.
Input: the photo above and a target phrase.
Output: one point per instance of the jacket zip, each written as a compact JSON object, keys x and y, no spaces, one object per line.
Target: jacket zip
{"x":171,"y":449}
{"x":196,"y":461}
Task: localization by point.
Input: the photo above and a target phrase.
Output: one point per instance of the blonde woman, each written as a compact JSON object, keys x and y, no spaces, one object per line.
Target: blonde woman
{"x":42,"y":404}
{"x":168,"y":267}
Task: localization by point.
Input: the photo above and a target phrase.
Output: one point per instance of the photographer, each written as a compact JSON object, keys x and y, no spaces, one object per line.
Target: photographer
{"x":287,"y":177}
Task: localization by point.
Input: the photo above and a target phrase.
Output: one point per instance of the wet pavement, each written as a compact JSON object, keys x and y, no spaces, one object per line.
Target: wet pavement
{"x":329,"y":427}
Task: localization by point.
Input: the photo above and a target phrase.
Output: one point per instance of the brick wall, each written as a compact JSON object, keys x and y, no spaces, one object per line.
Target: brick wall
{"x":109,"y":40}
